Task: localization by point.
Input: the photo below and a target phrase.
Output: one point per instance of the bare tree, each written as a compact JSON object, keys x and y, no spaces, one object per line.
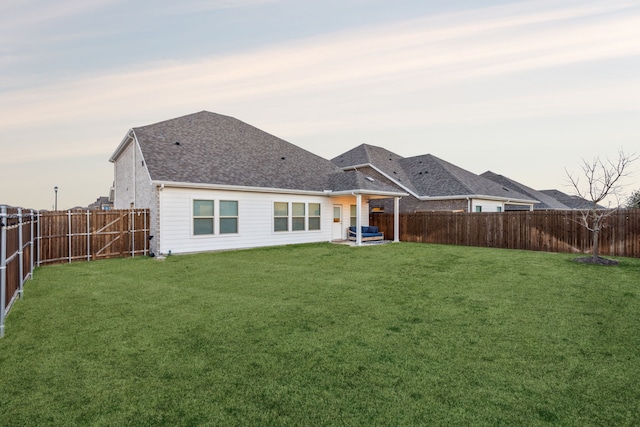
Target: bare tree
{"x":600,"y":180}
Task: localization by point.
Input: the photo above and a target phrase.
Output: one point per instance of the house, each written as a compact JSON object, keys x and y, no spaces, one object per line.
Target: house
{"x":432,"y":183}
{"x":546,"y":202}
{"x":213,"y":182}
{"x":102,"y":203}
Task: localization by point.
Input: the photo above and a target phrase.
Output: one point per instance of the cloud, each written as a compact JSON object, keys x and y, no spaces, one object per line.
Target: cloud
{"x":401,"y":63}
{"x":193,"y":6}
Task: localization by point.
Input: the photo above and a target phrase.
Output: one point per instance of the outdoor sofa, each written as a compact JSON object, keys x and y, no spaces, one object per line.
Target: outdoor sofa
{"x":368,"y":233}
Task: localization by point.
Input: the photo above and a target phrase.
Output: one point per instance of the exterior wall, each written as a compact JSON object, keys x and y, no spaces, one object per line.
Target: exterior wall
{"x":255,"y":221}
{"x":123,"y":179}
{"x":410,"y":204}
{"x":133,"y":188}
{"x":346,"y":202}
{"x":487,"y":205}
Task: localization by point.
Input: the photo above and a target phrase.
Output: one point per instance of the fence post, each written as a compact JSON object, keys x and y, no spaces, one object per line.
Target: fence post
{"x":88,"y":236}
{"x":69,"y":223}
{"x":39,"y":238}
{"x":132,"y":232}
{"x":3,"y":266}
{"x":31,"y":251}
{"x":20,"y":254}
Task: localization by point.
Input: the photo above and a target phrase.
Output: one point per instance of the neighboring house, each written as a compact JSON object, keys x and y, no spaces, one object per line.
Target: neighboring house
{"x":102,"y":203}
{"x":432,"y":183}
{"x":213,"y":182}
{"x":573,"y":202}
{"x":546,"y":202}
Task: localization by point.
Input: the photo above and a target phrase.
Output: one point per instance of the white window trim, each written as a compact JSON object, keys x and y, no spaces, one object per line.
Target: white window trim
{"x":216,"y":219}
{"x":290,"y":217}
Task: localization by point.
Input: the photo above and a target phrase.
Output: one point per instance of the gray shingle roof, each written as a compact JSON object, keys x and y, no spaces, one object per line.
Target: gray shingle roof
{"x":214,"y":149}
{"x":426,"y":175}
{"x":353,"y":179}
{"x":546,"y":201}
{"x":383,"y":159}
{"x":209,"y":148}
{"x":573,"y":202}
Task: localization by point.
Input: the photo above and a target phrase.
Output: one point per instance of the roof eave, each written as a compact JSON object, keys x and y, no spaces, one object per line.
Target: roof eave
{"x":479,"y":196}
{"x":368,"y":192}
{"x":381,"y":172}
{"x":130,"y":136}
{"x":327,"y":193}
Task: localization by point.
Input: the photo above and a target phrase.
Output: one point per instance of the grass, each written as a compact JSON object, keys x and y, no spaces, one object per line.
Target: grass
{"x":401,"y":334}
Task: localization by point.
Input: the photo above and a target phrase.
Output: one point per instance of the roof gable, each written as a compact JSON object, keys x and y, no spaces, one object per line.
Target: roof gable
{"x":385,"y":161}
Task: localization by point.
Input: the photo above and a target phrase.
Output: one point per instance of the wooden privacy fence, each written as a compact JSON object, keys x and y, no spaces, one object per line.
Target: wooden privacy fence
{"x":30,"y":238}
{"x":552,"y":231}
{"x":83,"y":235}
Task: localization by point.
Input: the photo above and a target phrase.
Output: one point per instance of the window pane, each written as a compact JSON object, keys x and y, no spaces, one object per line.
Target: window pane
{"x":280,"y":224}
{"x":228,"y":225}
{"x":314,"y":223}
{"x":203,"y":208}
{"x":297,"y":209}
{"x":314,"y":209}
{"x":280,"y":209}
{"x":352,"y":210}
{"x":352,"y":222}
{"x":228,"y":208}
{"x":202,"y":226}
{"x":297,"y":223}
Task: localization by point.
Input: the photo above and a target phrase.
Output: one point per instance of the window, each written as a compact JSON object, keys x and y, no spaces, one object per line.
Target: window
{"x":298,"y":216}
{"x":280,"y":216}
{"x":478,"y":208}
{"x":314,"y":216}
{"x":353,"y":216}
{"x":228,"y":217}
{"x":202,"y":217}
{"x":499,"y":209}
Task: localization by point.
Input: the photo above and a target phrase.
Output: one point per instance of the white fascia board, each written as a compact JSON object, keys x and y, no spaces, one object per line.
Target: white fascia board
{"x":204,"y":186}
{"x":326,"y":193}
{"x":128,"y":137}
{"x":367,"y":193}
{"x":355,"y":167}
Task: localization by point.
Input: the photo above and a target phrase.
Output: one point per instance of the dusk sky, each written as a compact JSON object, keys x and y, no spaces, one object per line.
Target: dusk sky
{"x":522,"y":88}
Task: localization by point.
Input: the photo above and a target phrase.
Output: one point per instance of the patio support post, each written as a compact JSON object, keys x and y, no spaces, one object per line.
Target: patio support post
{"x":396,"y":219}
{"x":358,"y":219}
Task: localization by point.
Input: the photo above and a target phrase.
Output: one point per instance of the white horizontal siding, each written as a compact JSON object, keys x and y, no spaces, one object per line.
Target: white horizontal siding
{"x":255,"y":221}
{"x":487,"y":205}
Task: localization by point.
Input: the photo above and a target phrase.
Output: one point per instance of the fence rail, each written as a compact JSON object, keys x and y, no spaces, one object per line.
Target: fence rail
{"x":552,"y":231}
{"x":30,"y":238}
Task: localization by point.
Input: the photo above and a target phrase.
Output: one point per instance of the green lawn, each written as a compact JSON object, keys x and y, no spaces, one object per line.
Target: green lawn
{"x":321,"y":334}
